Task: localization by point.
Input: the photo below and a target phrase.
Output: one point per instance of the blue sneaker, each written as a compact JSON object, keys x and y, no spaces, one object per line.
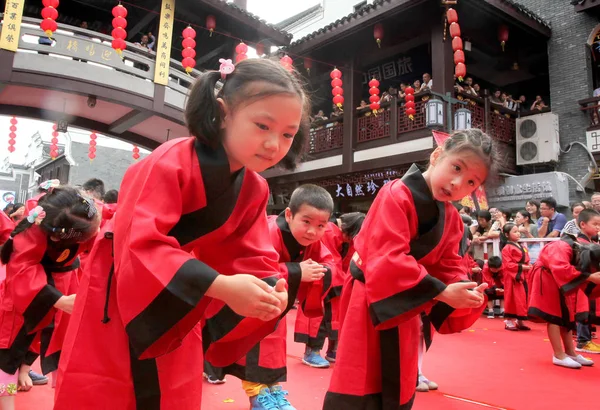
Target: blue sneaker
{"x":37,"y":379}
{"x":263,"y":401}
{"x":279,"y":395}
{"x":312,"y":358}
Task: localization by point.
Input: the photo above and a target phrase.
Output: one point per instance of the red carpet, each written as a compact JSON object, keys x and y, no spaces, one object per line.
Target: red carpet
{"x":486,"y":367}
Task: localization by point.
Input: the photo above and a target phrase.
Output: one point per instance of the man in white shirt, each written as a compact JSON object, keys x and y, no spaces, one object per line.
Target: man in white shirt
{"x":427,"y":82}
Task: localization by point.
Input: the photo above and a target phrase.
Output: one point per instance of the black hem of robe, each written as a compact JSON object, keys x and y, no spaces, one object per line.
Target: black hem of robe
{"x":555,"y":320}
{"x":575,"y":283}
{"x":40,"y":306}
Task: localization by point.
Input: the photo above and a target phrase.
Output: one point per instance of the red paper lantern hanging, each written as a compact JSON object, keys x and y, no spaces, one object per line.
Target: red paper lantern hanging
{"x":211,"y":23}
{"x":460,"y":71}
{"x":287,"y":62}
{"x":454,"y":30}
{"x":336,"y":84}
{"x":378,"y":33}
{"x":92,"y":148}
{"x":457,"y":44}
{"x":503,"y":35}
{"x":12,"y":135}
{"x":188,"y":53}
{"x":119,"y":24}
{"x":136,"y":153}
{"x":54,"y":142}
{"x":260,"y":49}
{"x":241,"y":50}
{"x":409,"y":103}
{"x":308,"y":64}
{"x":49,"y":15}
{"x":459,"y":57}
{"x":452,"y":16}
{"x":374,"y":98}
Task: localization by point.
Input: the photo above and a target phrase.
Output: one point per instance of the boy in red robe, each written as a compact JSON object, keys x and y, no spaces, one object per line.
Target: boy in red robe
{"x":296,"y":234}
{"x":493,"y":276}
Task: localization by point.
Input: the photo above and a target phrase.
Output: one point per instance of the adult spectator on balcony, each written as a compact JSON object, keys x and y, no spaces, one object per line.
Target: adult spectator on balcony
{"x":496,"y":98}
{"x":522,"y":104}
{"x":551,"y":222}
{"x":477,"y":90}
{"x":467,"y":87}
{"x":337,"y":112}
{"x":401,"y":93}
{"x":538,"y":104}
{"x":417,"y":86}
{"x":596,"y":201}
{"x":363,"y":105}
{"x":571,"y":227}
{"x":144,"y":42}
{"x":427,"y":82}
{"x":510,"y":103}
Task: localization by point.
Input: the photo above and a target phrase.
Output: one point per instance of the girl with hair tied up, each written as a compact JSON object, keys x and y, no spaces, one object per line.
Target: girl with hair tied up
{"x":41,"y":257}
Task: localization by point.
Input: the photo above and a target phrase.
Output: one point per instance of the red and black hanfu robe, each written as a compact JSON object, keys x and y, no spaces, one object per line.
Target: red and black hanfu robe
{"x":554,"y":281}
{"x":406,"y":254}
{"x":39,"y":272}
{"x":494,"y":280}
{"x":266,"y":362}
{"x":6,"y":227}
{"x":183,"y":219}
{"x":587,"y":310}
{"x":313,"y":331}
{"x":516,"y":291}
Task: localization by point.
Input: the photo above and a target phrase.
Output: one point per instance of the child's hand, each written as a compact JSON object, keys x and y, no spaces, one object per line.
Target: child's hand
{"x":65,"y":303}
{"x":459,"y":296}
{"x":476,"y":270}
{"x":312,"y":271}
{"x":24,"y":381}
{"x":526,"y":267}
{"x":499,"y":291}
{"x":248,"y":296}
{"x":594,"y":278}
{"x":281,"y":294}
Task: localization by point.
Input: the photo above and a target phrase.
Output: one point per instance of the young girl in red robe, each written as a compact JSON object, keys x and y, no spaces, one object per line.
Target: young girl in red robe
{"x":191,"y":247}
{"x":41,"y":257}
{"x":407,"y":262}
{"x":515,"y":270}
{"x":562,"y":269}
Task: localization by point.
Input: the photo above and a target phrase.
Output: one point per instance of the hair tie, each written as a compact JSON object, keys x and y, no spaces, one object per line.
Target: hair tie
{"x":50,"y":184}
{"x":36,"y":215}
{"x":11,"y":238}
{"x":90,"y":207}
{"x":225,"y":69}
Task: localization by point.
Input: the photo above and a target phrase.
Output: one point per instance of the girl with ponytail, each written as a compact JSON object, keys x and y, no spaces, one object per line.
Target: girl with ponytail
{"x":40,"y":257}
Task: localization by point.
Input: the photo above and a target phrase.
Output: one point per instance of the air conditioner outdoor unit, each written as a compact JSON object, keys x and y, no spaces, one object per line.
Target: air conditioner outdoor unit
{"x":537,"y":139}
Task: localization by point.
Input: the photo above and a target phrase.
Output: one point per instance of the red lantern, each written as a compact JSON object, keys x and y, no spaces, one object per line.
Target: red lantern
{"x":260,"y":49}
{"x":378,"y":33}
{"x":54,"y":142}
{"x":211,"y":23}
{"x":459,"y":57}
{"x":188,"y":53}
{"x":12,"y":135}
{"x":460,"y":71}
{"x":452,"y":16}
{"x":241,"y":50}
{"x":409,"y":98}
{"x":92,"y":148}
{"x":136,"y":153}
{"x":307,"y":64}
{"x":337,"y":91}
{"x":454,"y":30}
{"x":119,"y":25}
{"x":374,"y":91}
{"x":503,"y":35}
{"x":287,"y":62}
{"x":49,"y":16}
{"x":457,"y":44}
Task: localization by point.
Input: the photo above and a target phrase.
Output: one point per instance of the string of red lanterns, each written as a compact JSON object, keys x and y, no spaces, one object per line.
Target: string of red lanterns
{"x":287,"y":62}
{"x":92,"y":149}
{"x":211,"y":24}
{"x":460,"y":69}
{"x":409,"y":102}
{"x":378,"y":33}
{"x":374,"y":98}
{"x":119,"y":24}
{"x":136,"y":153}
{"x":49,"y":16}
{"x":188,"y":52}
{"x":54,"y":142}
{"x":12,"y":135}
{"x":337,"y":90}
{"x":241,"y":50}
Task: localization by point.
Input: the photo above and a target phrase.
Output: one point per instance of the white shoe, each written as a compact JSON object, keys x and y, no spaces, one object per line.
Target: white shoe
{"x":422,"y":387}
{"x":566,"y":362}
{"x":430,"y":385}
{"x":582,"y":360}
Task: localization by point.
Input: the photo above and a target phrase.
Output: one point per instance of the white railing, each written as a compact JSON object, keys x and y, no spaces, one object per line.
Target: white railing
{"x":495,"y":245}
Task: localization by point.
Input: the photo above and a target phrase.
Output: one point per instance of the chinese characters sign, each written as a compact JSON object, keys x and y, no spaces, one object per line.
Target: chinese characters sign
{"x":518,"y":189}
{"x":358,"y":190}
{"x":163,"y":42}
{"x":11,"y":28}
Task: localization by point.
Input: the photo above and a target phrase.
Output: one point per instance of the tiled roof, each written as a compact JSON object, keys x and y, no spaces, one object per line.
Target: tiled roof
{"x":369,"y":8}
{"x":237,"y":10}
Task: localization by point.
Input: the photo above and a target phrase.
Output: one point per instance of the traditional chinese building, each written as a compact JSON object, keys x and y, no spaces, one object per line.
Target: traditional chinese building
{"x":358,"y":149}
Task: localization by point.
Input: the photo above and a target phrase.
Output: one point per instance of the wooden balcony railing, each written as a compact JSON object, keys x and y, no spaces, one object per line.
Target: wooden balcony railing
{"x":592,"y":107}
{"x":326,"y":135}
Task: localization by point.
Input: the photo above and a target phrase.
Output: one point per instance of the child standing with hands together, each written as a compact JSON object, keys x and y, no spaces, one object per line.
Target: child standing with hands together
{"x":191,"y":245}
{"x":407,"y":262}
{"x":516,"y":267}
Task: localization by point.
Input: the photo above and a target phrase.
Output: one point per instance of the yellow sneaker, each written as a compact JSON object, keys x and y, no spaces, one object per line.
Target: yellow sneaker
{"x":589,"y":347}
